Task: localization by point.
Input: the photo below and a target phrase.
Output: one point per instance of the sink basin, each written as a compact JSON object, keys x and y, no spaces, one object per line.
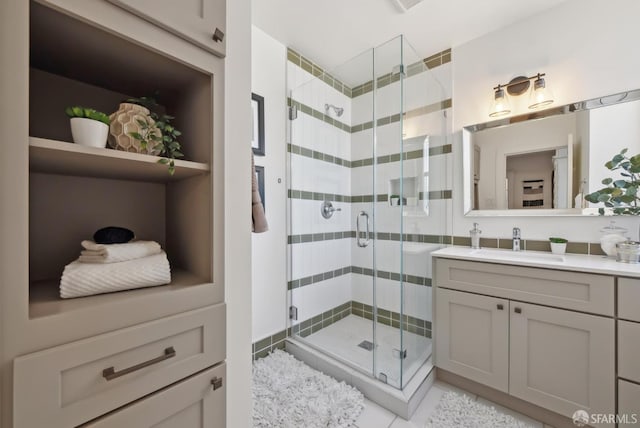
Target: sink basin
{"x":531,"y":256}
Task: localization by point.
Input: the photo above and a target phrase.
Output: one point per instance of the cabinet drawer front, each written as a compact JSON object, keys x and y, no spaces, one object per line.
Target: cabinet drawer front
{"x":82,"y":380}
{"x":629,"y":350}
{"x":568,"y":290}
{"x":192,"y":403}
{"x":629,"y":299}
{"x":471,"y":337}
{"x":629,"y":402}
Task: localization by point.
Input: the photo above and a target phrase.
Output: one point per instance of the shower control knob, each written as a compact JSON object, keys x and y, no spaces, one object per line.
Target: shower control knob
{"x":327,"y":209}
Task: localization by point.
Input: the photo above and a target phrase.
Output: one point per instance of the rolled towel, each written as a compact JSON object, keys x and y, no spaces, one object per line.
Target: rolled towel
{"x":84,"y":279}
{"x":114,"y":253}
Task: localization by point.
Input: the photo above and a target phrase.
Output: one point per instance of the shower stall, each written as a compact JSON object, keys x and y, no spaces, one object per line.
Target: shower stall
{"x":365,"y":209}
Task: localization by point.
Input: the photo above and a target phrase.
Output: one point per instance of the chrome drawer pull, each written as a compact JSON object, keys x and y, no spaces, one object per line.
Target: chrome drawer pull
{"x":216,"y":382}
{"x":500,"y":306}
{"x":517,"y":310}
{"x":110,"y":373}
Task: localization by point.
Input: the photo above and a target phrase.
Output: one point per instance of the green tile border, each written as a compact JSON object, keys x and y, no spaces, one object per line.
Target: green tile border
{"x":319,"y":277}
{"x":431,"y":108}
{"x":314,"y":69}
{"x":314,"y":154}
{"x":263,"y":347}
{"x":381,"y":197}
{"x":412,"y":324}
{"x":387,"y":120}
{"x":585,"y":248}
{"x":320,"y":321}
{"x":393,"y":276}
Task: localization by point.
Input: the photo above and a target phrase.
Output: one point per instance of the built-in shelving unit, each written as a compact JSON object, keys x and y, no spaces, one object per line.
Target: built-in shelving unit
{"x":75,"y":190}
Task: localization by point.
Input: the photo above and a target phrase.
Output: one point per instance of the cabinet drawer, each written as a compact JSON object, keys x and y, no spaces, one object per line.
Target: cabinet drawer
{"x":192,"y":403}
{"x":71,"y":384}
{"x":629,"y":350}
{"x":629,"y":299}
{"x":568,"y":290}
{"x":628,"y":402}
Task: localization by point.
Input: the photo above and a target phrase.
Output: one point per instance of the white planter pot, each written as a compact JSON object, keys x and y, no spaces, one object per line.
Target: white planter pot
{"x":557,"y":248}
{"x":89,"y":132}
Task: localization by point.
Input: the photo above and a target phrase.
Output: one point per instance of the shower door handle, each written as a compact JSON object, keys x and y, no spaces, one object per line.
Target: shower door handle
{"x":366,"y":241}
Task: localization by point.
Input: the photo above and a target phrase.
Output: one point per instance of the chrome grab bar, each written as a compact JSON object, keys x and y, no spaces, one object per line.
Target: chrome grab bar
{"x":359,"y":242}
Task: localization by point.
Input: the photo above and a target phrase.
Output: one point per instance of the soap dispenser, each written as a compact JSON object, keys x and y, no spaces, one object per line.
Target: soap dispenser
{"x":475,"y":236}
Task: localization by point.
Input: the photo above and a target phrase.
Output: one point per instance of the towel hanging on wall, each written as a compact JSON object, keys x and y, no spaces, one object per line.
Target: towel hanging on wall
{"x":257,"y":209}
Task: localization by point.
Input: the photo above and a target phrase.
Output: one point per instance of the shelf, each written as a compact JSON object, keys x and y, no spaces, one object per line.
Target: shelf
{"x":59,"y":157}
{"x":45,"y":301}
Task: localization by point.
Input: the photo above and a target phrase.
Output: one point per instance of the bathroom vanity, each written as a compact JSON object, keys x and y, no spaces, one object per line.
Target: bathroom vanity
{"x":541,"y":328}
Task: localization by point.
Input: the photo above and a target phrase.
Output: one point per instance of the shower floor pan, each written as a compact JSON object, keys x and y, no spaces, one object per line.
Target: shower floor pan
{"x":336,"y":350}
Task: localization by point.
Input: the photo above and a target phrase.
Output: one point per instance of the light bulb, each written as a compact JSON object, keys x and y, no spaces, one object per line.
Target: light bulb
{"x":500,"y":104}
{"x":540,"y":95}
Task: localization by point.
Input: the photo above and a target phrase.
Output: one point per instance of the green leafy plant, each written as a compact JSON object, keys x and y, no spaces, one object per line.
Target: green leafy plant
{"x":87,"y":113}
{"x":170,"y":146}
{"x":558,"y":240}
{"x":620,"y":195}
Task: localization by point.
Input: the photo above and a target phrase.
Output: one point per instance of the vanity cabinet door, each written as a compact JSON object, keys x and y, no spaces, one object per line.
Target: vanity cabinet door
{"x":562,"y":360}
{"x":472,"y":334}
{"x":201,"y":22}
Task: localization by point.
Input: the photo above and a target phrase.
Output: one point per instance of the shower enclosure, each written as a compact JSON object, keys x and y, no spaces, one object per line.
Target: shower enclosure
{"x":364,"y":212}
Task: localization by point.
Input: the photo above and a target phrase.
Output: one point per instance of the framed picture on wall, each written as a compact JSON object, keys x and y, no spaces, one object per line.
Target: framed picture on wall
{"x":257,"y":135}
{"x":260,"y":179}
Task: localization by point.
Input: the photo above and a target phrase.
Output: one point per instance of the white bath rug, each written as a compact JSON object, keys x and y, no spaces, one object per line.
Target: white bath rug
{"x":461,"y":411}
{"x":289,"y":394}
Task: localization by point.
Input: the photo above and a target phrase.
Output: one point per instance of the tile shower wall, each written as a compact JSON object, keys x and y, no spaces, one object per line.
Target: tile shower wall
{"x":331,"y":158}
{"x":319,"y":170}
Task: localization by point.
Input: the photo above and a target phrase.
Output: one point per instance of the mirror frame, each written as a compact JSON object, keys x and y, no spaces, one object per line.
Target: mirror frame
{"x":467,"y":153}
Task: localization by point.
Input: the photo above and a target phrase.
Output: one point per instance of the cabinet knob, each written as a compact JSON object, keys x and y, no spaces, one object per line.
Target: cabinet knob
{"x":218,"y":35}
{"x":500,"y":306}
{"x":216,"y":382}
{"x":517,"y":310}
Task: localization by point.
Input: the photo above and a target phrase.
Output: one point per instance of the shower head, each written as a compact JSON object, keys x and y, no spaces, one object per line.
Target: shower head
{"x":337,"y":110}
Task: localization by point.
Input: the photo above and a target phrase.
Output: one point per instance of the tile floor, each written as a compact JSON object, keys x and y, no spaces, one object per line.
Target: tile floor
{"x":374,"y":416}
{"x":341,"y":340}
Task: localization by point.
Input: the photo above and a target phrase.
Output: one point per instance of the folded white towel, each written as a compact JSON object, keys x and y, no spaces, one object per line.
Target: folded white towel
{"x":114,"y":253}
{"x":84,"y":279}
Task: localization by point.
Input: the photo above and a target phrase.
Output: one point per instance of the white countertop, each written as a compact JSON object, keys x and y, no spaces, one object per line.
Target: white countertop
{"x":572,"y":262}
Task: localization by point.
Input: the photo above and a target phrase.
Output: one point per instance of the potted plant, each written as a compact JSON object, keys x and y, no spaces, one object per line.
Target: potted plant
{"x":558,"y":245}
{"x":88,"y":126}
{"x":167,"y":143}
{"x":621,"y":193}
{"x":394,"y":200}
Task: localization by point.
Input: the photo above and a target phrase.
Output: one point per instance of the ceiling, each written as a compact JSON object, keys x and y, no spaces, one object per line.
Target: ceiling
{"x":331,"y":32}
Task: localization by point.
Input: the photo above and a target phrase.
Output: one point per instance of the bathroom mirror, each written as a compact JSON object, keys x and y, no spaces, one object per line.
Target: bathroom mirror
{"x":543,"y":163}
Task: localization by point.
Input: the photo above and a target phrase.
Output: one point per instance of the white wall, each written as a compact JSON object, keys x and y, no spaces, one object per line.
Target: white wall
{"x":588,"y":48}
{"x":269,"y":267}
{"x":237,"y":229}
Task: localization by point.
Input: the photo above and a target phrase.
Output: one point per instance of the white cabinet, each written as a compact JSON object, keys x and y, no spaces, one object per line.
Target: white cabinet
{"x":503,"y":327}
{"x":197,"y":402}
{"x":562,"y":360}
{"x":472,"y":333}
{"x":199,"y":21}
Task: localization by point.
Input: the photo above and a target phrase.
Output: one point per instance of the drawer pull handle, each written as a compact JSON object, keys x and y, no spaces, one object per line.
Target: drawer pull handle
{"x":218,"y":35}
{"x":216,"y":382}
{"x":500,"y":306}
{"x":110,"y":373}
{"x":517,"y":310}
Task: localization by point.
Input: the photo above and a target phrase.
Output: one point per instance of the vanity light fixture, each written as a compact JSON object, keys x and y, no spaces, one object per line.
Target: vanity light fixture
{"x":540,"y":95}
{"x":500,"y":104}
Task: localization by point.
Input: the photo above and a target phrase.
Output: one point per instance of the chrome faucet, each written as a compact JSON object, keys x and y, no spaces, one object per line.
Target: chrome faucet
{"x":516,"y":239}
